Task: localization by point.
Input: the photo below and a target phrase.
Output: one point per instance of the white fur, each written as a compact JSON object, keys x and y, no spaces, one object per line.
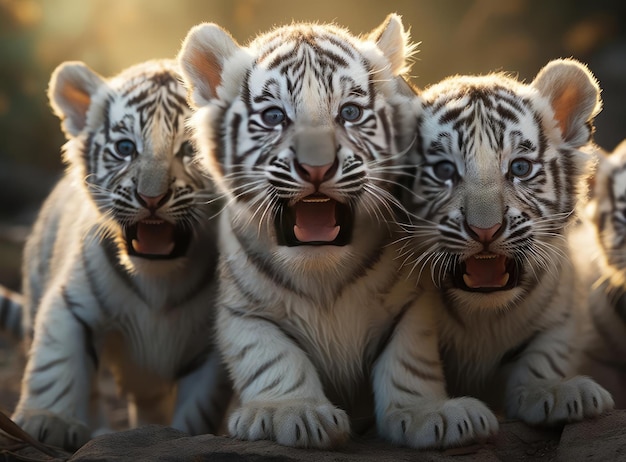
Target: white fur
{"x":88,"y":300}
{"x":300,"y":327}
{"x":598,"y":249}
{"x":513,"y":347}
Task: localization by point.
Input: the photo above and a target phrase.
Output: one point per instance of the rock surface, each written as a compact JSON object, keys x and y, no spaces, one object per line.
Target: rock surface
{"x":602,"y":439}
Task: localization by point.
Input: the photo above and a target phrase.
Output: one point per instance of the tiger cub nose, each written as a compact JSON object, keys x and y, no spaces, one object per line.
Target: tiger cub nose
{"x":152,"y":202}
{"x":485,"y":235}
{"x":316,"y":174}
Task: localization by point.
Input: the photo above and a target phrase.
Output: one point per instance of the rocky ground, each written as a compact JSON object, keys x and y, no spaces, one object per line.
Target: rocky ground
{"x":602,"y":439}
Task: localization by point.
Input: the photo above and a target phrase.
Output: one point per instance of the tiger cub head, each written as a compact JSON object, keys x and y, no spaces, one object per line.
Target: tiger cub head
{"x":607,"y":212}
{"x":297,"y":128}
{"x":129,"y":147}
{"x":496,"y":178}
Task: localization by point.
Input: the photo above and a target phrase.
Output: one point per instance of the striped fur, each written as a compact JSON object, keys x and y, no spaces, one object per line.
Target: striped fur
{"x":298,"y":128}
{"x":497,"y":171}
{"x":11,"y":305}
{"x":120,"y":268}
{"x":599,"y":246}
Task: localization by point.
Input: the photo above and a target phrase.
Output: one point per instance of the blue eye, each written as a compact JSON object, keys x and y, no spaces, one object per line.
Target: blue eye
{"x":444,"y":170}
{"x":521,"y":168}
{"x":350,"y":112}
{"x":273,"y":116}
{"x":186,"y":150}
{"x":125,"y":148}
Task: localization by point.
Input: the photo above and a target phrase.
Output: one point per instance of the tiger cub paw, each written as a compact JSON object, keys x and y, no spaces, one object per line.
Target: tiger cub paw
{"x":442,"y":424}
{"x":303,"y":424}
{"x":53,"y":429}
{"x":554,"y":402}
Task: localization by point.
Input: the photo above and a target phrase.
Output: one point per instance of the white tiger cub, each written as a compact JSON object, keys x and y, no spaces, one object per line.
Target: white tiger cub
{"x":298,"y":130}
{"x":120,"y":267}
{"x":600,"y":249}
{"x":497,"y":169}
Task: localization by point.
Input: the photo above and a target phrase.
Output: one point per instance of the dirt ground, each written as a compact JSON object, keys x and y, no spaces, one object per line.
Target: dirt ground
{"x":11,"y":367}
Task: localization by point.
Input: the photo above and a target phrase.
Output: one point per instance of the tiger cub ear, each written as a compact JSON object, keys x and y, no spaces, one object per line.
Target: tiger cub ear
{"x":394,"y":41}
{"x":71,"y":87}
{"x":202,"y":56}
{"x":574,"y":95}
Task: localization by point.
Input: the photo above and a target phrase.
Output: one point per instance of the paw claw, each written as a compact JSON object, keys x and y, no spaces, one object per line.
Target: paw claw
{"x":440,"y":425}
{"x":53,"y":429}
{"x":563,"y":401}
{"x":291,"y":423}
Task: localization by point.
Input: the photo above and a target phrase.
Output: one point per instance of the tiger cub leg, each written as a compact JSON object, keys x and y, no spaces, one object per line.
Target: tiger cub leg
{"x":412,"y":406}
{"x":538,"y":389}
{"x":150,"y":397}
{"x":203,"y":396}
{"x":154,"y":407}
{"x":281,"y":394}
{"x":54,"y":404}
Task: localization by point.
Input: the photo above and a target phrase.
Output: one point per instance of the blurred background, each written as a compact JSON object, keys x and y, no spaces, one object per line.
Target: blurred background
{"x":457,"y":36}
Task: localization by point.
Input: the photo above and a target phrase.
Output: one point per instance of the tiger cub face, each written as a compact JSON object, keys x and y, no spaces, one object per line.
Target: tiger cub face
{"x":305,"y":128}
{"x":128,"y":145}
{"x":608,"y":213}
{"x":497,"y":168}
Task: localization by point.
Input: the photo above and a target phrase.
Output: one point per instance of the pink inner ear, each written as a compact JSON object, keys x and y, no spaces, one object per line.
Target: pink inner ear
{"x":76,"y":97}
{"x":564,"y":105}
{"x":208,"y":69}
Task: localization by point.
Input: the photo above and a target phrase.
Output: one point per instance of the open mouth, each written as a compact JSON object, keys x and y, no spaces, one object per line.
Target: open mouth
{"x":487,"y":272}
{"x":315,"y":220}
{"x":157,"y":239}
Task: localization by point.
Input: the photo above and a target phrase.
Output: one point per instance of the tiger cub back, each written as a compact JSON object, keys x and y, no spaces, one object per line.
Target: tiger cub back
{"x":599,"y":246}
{"x":497,"y":168}
{"x":119,"y":270}
{"x":299,"y":130}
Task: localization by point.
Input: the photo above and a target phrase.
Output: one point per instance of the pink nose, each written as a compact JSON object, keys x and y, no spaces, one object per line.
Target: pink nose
{"x":316,"y":174}
{"x":152,"y":202}
{"x":485,"y":235}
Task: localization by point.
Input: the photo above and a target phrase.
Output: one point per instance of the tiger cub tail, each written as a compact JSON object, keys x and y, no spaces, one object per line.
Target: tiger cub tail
{"x":11,"y":306}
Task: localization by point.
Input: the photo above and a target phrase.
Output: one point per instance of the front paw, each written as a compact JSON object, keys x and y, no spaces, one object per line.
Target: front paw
{"x":303,"y":424}
{"x":442,"y":424}
{"x":53,"y":429}
{"x":554,"y":402}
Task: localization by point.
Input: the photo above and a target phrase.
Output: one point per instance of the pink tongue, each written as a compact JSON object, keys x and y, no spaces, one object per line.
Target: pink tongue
{"x":154,"y":239}
{"x":486,"y":272}
{"x":315,"y":222}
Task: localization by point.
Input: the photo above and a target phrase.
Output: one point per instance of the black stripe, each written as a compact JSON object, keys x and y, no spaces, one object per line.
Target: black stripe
{"x":368,"y":263}
{"x":553,"y":364}
{"x":536,"y":373}
{"x":262,"y":263}
{"x":73,"y":308}
{"x":270,"y":386}
{"x":260,"y":370}
{"x":45,"y":367}
{"x":420,"y":374}
{"x":404,"y":389}
{"x":296,"y":384}
{"x":241,"y":290}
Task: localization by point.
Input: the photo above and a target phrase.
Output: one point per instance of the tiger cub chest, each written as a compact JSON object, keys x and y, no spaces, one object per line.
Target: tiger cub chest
{"x":344,"y":338}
